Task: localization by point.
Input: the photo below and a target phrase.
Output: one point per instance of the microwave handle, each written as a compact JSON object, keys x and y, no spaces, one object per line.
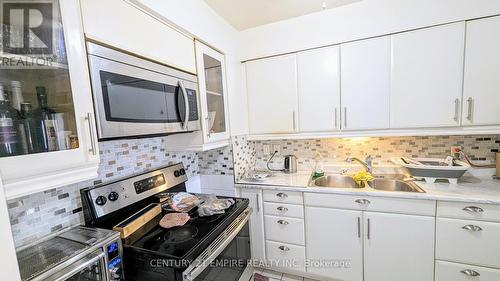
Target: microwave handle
{"x":186,"y":104}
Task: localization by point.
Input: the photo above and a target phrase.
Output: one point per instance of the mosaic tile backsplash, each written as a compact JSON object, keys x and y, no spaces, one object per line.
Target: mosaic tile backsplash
{"x":331,"y":151}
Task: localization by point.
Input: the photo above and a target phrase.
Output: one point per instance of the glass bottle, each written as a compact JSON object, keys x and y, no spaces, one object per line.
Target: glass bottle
{"x":31,"y":132}
{"x":48,"y":138}
{"x":9,"y":134}
{"x":17,"y":95}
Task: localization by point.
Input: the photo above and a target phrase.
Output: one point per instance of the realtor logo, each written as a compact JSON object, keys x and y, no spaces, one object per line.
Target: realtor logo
{"x":27,"y":28}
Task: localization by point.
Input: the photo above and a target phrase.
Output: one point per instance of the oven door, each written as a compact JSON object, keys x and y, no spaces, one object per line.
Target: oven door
{"x":131,"y":101}
{"x":90,"y":268}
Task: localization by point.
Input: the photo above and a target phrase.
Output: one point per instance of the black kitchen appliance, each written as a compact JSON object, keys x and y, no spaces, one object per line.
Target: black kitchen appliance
{"x":179,"y":253}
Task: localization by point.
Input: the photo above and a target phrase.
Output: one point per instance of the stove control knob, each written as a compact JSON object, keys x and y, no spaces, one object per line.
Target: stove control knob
{"x":113,"y":196}
{"x":182,"y":171}
{"x":177,"y":174}
{"x":100,"y":200}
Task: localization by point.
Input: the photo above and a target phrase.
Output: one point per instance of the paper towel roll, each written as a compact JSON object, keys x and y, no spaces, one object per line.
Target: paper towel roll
{"x":498,"y":165}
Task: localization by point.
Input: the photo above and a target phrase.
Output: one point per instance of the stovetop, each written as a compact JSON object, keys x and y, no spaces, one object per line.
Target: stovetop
{"x":187,"y":241}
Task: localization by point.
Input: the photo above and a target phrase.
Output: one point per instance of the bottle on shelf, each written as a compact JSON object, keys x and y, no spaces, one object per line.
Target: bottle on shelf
{"x":17,"y":95}
{"x":32,"y":134}
{"x":9,"y":131}
{"x":45,"y":127}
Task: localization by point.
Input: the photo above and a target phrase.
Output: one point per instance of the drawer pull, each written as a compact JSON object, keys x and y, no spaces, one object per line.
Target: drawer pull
{"x":281,"y":195}
{"x":362,"y":201}
{"x":282,"y":209}
{"x":284,"y":248}
{"x":473,"y":209}
{"x":282,"y":222}
{"x":472,"y":227}
{"x":470,"y":272}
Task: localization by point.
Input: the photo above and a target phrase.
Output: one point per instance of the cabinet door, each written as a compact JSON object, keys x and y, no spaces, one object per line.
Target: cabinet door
{"x":427,"y":72}
{"x":55,"y":141}
{"x":123,"y":26}
{"x":272,"y":95}
{"x":334,"y":235}
{"x":213,"y":93}
{"x":256,"y":223}
{"x":398,"y":247}
{"x":366,"y":72}
{"x":319,"y":89}
{"x":481,"y":83}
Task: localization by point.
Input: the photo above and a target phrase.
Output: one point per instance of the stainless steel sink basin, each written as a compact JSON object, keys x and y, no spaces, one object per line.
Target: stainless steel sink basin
{"x":335,"y":181}
{"x":395,"y":185}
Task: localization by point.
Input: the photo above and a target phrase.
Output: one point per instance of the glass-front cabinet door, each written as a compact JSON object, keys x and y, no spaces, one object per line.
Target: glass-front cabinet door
{"x":46,"y":113}
{"x":213,"y":93}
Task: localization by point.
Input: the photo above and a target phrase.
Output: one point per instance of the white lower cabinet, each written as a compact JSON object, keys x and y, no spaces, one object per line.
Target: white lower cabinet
{"x":288,"y":230}
{"x":448,"y":271}
{"x":256,"y":222}
{"x":287,"y":256}
{"x":334,"y":236}
{"x":398,"y":247}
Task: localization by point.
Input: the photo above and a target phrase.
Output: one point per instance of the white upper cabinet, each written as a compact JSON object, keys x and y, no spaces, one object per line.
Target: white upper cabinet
{"x":427,"y":71}
{"x":366,"y":72}
{"x":119,"y":24}
{"x":319,"y":89}
{"x":48,"y":135}
{"x":272,"y":95}
{"x":482,"y":72}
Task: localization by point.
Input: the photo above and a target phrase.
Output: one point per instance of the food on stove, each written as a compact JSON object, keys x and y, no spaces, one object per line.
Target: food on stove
{"x":213,"y":206}
{"x":174,"y":219}
{"x":184,"y":202}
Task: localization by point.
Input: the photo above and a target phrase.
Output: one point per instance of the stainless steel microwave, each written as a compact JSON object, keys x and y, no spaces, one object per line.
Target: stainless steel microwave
{"x":134,"y":97}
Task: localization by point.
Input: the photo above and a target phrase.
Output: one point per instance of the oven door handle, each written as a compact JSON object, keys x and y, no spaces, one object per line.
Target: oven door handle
{"x":78,"y":266}
{"x":199,"y":264}
{"x":186,"y":105}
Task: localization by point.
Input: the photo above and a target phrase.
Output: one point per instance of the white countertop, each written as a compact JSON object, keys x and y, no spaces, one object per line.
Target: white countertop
{"x":474,"y":187}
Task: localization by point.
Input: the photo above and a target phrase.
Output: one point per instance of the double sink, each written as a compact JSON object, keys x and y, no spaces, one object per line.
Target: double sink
{"x":383,"y":183}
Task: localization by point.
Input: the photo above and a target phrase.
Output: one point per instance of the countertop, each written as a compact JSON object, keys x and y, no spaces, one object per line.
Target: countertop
{"x":475,"y":187}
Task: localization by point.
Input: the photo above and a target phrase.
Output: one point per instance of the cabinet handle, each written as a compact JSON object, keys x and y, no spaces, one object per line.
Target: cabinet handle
{"x":473,"y":209}
{"x":470,"y":272}
{"x":362,"y":201}
{"x":471,"y":227}
{"x":368,"y":230}
{"x":293,"y":119}
{"x":469,"y":109}
{"x":345,"y":117}
{"x":359,"y":227}
{"x":284,"y":248}
{"x":281,"y":195}
{"x":93,"y":149}
{"x":283,"y":222}
{"x":457,"y":109}
{"x":282,"y":209}
{"x":336,"y":119}
{"x":257,"y":202}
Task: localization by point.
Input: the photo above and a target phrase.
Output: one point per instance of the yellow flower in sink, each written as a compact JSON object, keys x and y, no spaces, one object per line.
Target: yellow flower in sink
{"x":362,"y":177}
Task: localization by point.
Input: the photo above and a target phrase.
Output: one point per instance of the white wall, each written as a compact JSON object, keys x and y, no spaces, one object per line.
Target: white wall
{"x":10,"y":270}
{"x":198,"y":19}
{"x":360,"y":20}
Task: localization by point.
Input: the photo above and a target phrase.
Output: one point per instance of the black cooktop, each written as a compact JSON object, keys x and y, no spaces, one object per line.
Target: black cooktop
{"x":188,"y":241}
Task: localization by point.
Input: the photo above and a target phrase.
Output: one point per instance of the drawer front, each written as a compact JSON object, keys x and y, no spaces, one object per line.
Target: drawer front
{"x":471,"y":242}
{"x":284,"y":255}
{"x":368,"y":203}
{"x":468,"y":211}
{"x":287,"y":230}
{"x":284,"y":210}
{"x":447,"y":271}
{"x":290,"y":197}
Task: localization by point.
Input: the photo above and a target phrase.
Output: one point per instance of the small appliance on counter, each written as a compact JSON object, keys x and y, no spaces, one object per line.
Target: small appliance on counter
{"x":154,"y":252}
{"x":290,"y":164}
{"x":79,"y":253}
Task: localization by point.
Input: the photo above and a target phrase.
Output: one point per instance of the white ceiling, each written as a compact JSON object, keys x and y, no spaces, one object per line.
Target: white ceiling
{"x":243,"y":14}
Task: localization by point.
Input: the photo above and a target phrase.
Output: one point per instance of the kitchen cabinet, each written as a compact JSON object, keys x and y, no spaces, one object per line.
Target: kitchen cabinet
{"x":272,"y":95}
{"x":339,"y":239}
{"x":446,"y":271}
{"x":213,"y":99}
{"x":256,"y":222}
{"x":318,"y":83}
{"x":366,"y":72}
{"x":56,"y":141}
{"x":398,"y":247}
{"x":427,"y":72}
{"x":481,"y":104}
{"x":119,"y":24}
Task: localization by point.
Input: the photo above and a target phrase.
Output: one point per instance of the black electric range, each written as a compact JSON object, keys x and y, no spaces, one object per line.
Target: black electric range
{"x":178,"y":253}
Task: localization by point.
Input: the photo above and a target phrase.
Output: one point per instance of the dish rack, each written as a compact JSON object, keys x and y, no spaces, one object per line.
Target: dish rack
{"x":432,"y":169}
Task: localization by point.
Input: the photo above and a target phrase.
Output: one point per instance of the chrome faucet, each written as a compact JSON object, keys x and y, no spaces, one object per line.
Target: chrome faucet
{"x":367,"y":164}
